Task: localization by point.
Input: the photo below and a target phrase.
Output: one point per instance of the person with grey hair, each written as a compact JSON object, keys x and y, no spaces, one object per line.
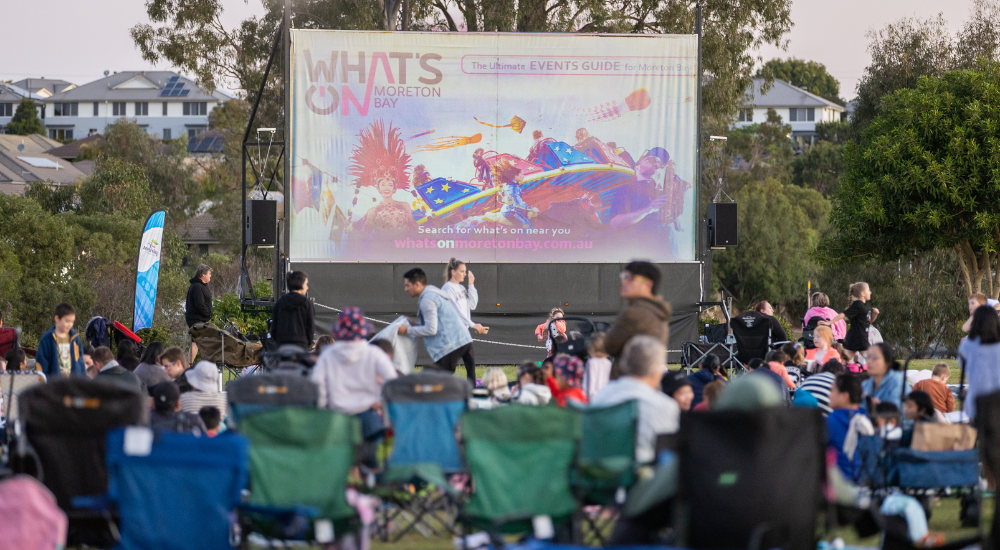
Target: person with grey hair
{"x":198,"y":308}
{"x":644,"y":362}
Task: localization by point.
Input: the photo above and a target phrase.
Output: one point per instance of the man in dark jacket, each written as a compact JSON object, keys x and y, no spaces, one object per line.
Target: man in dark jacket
{"x":167,"y":416}
{"x":60,"y":350}
{"x":110,"y":370}
{"x":292,"y":318}
{"x":708,"y":373}
{"x":645,"y":313}
{"x":198,"y":308}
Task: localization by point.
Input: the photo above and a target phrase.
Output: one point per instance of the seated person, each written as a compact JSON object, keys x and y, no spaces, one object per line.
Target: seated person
{"x":565,"y":385}
{"x":824,"y":350}
{"x":820,"y":384}
{"x":643,"y":366}
{"x":776,"y":362}
{"x":212,"y":418}
{"x":710,"y":394}
{"x":708,"y":373}
{"x":108,"y":369}
{"x":796,"y":355}
{"x":204,"y":380}
{"x":678,"y":387}
{"x":937,"y":388}
{"x":532,"y":389}
{"x":887,"y":421}
{"x":918,"y":407}
{"x":758,"y":367}
{"x":494,"y":392}
{"x":845,"y":399}
{"x":167,"y":414}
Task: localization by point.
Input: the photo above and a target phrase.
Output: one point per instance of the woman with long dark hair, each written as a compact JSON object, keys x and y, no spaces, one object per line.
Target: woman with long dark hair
{"x":465,"y":300}
{"x":981,"y":353}
{"x":885,"y":382}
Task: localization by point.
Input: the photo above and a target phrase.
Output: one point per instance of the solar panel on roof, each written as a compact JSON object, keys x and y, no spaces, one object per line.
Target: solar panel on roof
{"x":185,"y":92}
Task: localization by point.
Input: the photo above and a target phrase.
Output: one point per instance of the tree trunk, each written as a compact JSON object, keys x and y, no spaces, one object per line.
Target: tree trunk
{"x":975,"y":267}
{"x":471,"y":16}
{"x":531,"y":16}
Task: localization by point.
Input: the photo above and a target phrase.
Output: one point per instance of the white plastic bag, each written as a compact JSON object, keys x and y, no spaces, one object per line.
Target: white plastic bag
{"x":404,"y":348}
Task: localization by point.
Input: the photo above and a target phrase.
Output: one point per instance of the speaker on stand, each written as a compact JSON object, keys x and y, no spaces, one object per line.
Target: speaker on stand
{"x":722,"y":227}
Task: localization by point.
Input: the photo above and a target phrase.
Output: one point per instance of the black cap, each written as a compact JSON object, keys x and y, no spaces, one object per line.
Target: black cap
{"x":647,"y":270}
{"x":673,"y":381}
{"x":165,"y":396}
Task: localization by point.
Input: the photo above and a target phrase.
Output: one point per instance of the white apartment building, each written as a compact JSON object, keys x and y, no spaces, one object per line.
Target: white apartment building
{"x":796,"y":107}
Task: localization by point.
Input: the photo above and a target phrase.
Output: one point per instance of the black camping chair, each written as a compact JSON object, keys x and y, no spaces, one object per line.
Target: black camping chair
{"x":753,"y":336}
{"x":718,"y":341}
{"x":988,"y":424}
{"x":579,"y":332}
{"x":252,"y":394}
{"x":734,"y":483}
{"x":61,"y":440}
{"x":288,"y":358}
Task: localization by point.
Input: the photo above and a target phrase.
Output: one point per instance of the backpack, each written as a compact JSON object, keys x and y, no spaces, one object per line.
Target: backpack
{"x":808,"y":330}
{"x":97,"y":333}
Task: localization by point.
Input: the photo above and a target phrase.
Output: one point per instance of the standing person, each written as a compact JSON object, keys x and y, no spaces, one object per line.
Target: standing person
{"x":149,"y":371}
{"x":465,"y":300}
{"x":198,"y":307}
{"x":645,"y":313}
{"x":976,"y":300}
{"x":886,"y":381}
{"x":60,"y":350}
{"x":552,"y":332}
{"x":860,"y":316}
{"x":981,"y":351}
{"x":598,"y":366}
{"x":821,"y":309}
{"x":293,"y":314}
{"x":445,"y":333}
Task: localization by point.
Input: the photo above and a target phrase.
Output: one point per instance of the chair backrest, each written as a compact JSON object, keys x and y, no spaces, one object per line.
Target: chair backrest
{"x":735,"y":478}
{"x":178,"y":491}
{"x":262,"y":392}
{"x":988,"y":423}
{"x":11,"y":386}
{"x":301,"y":457}
{"x":607,"y":452}
{"x":424,"y":409}
{"x":520,"y":458}
{"x":66,"y":422}
{"x":10,"y":338}
{"x":753,"y":335}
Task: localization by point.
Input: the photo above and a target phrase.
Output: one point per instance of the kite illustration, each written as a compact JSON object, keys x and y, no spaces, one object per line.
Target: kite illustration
{"x":449,"y":142}
{"x":517,"y":124}
{"x":611,"y":110}
{"x":420,"y":134}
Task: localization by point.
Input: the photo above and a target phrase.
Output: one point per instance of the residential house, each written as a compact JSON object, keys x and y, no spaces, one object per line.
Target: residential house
{"x":796,"y":107}
{"x":44,"y":87}
{"x":164,"y":103}
{"x":197,"y":234}
{"x":26,"y":159}
{"x":10,"y":97}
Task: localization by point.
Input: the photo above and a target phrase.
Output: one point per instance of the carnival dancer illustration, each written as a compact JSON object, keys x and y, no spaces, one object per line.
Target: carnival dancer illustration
{"x":514,"y":208}
{"x":380,"y":160}
{"x":635,"y":207}
{"x":483,"y":171}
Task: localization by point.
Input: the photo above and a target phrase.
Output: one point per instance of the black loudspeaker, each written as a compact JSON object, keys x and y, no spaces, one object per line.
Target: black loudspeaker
{"x":262,"y":223}
{"x":722,"y":230}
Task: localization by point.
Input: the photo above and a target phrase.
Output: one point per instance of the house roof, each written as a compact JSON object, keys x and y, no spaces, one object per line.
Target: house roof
{"x":73,"y":149}
{"x":139,"y":86}
{"x":783,"y":94}
{"x":13,"y":93}
{"x":198,"y":230}
{"x":26,"y":167}
{"x":85,"y":166}
{"x":211,"y":141}
{"x":44,"y":87}
{"x":27,"y":144}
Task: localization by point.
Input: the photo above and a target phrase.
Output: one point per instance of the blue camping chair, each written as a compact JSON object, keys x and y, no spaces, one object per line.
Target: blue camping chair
{"x":424,"y":409}
{"x":181,"y":495}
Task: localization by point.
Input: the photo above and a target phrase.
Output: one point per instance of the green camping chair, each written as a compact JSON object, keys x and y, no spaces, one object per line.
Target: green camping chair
{"x":519,"y":458}
{"x":299,"y":463}
{"x":606,"y":467}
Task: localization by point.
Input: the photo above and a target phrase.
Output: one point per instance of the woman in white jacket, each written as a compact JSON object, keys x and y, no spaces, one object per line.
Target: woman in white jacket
{"x":465,"y":300}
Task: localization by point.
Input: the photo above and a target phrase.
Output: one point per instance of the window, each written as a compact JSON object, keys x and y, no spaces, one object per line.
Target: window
{"x":118,"y":108}
{"x":195,"y":108}
{"x":6,"y":109}
{"x":141,"y":108}
{"x":64,"y":109}
{"x":92,"y":131}
{"x":746,"y":115}
{"x":792,"y":115}
{"x":61,"y":134}
{"x":95,"y":108}
{"x":164,"y":108}
{"x":194,"y":132}
{"x":202,"y":249}
{"x":810,"y":114}
{"x":166,"y":132}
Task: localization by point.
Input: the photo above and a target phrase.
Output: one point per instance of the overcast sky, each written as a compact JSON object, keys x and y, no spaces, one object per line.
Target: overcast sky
{"x":77,"y":41}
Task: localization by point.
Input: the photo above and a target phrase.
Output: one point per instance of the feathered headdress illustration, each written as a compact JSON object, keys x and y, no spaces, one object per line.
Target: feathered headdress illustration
{"x":380,"y":153}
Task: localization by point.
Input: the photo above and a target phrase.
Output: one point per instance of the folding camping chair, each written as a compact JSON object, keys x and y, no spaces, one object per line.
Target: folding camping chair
{"x":734,"y":481}
{"x":519,"y":458}
{"x":424,"y":409}
{"x":264,"y":392}
{"x":11,"y":386}
{"x":606,"y":467}
{"x":753,"y":337}
{"x":717,"y":340}
{"x":174,"y":491}
{"x":299,"y":463}
{"x":60,"y":437}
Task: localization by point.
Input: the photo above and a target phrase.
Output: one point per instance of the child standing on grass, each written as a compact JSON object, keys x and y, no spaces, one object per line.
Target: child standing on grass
{"x":598,"y":367}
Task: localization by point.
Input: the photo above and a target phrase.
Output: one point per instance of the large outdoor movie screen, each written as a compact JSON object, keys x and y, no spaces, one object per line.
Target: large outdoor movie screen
{"x":410,"y":147}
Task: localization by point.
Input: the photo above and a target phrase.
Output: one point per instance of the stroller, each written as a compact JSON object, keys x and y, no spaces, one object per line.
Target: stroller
{"x":230,"y":349}
{"x":579,"y":333}
{"x":887,"y":466}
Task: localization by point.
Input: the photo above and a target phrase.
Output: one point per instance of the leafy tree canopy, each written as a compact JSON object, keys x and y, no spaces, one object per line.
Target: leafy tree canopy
{"x":808,"y":75}
{"x":25,"y":120}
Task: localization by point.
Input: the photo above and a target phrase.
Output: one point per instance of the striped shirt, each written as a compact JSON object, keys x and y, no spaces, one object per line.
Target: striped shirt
{"x":194,"y":400}
{"x":820,"y":386}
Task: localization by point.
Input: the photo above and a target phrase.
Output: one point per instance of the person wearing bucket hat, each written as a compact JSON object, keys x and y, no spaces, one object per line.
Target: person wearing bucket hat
{"x":566,"y":382}
{"x":350,"y":372}
{"x":205,"y":382}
